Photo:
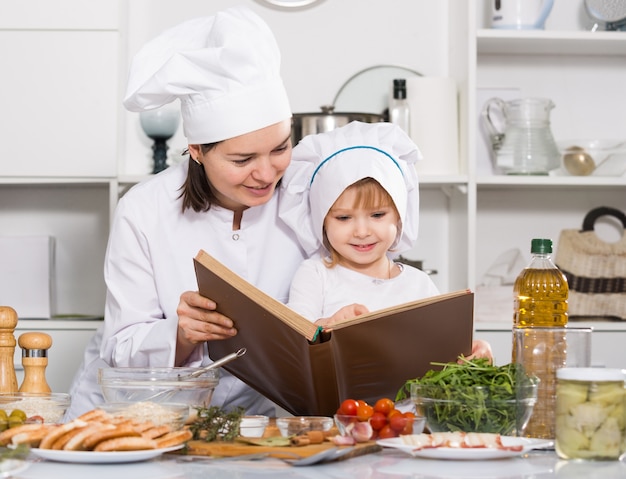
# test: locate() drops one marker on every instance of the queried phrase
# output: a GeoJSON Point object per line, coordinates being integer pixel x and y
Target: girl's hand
{"type": "Point", "coordinates": [199, 322]}
{"type": "Point", "coordinates": [347, 312]}
{"type": "Point", "coordinates": [481, 349]}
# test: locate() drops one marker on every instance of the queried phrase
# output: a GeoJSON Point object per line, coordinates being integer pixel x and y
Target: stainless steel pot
{"type": "Point", "coordinates": [304, 124]}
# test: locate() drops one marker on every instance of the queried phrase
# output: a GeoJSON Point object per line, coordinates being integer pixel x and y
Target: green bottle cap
{"type": "Point", "coordinates": [541, 246]}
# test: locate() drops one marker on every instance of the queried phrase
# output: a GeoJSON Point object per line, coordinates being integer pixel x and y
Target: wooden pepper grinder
{"type": "Point", "coordinates": [8, 322]}
{"type": "Point", "coordinates": [35, 360]}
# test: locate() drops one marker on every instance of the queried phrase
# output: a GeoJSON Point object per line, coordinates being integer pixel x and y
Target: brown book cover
{"type": "Point", "coordinates": [308, 371]}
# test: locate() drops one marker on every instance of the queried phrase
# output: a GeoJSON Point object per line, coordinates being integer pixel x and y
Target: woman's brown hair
{"type": "Point", "coordinates": [196, 192]}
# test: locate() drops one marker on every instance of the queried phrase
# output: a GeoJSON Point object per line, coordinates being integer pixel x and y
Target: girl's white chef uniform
{"type": "Point", "coordinates": [222, 68]}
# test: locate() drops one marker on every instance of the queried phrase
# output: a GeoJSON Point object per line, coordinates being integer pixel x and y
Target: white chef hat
{"type": "Point", "coordinates": [224, 69]}
{"type": "Point", "coordinates": [324, 165]}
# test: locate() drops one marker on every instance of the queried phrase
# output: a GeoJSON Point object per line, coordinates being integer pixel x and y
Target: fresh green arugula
{"type": "Point", "coordinates": [473, 395]}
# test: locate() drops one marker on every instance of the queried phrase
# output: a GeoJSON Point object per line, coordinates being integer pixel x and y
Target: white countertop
{"type": "Point", "coordinates": [387, 464]}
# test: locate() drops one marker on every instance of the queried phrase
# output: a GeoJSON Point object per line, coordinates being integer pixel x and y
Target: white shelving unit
{"type": "Point", "coordinates": [582, 72]}
{"type": "Point", "coordinates": [67, 181]}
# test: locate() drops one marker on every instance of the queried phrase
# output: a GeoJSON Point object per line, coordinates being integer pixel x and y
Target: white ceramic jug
{"type": "Point", "coordinates": [520, 14]}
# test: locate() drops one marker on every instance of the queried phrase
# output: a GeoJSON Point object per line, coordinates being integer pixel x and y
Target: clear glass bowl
{"type": "Point", "coordinates": [346, 426]}
{"type": "Point", "coordinates": [475, 408]}
{"type": "Point", "coordinates": [49, 407]}
{"type": "Point", "coordinates": [159, 385]}
{"type": "Point", "coordinates": [253, 426]}
{"type": "Point", "coordinates": [293, 426]}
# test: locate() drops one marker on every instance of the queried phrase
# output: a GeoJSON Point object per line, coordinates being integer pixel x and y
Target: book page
{"type": "Point", "coordinates": [381, 313]}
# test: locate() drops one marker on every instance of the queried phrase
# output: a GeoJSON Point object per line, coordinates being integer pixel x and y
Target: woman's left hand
{"type": "Point", "coordinates": [481, 349]}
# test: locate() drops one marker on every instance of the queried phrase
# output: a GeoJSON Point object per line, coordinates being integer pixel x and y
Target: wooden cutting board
{"type": "Point", "coordinates": [231, 449]}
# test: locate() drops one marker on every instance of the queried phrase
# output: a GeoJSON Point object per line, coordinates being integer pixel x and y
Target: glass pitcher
{"type": "Point", "coordinates": [523, 143]}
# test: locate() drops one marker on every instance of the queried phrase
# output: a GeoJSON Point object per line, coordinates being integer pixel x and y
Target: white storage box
{"type": "Point", "coordinates": [27, 275]}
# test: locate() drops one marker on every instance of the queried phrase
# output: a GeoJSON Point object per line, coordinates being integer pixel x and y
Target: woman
{"type": "Point", "coordinates": [236, 117]}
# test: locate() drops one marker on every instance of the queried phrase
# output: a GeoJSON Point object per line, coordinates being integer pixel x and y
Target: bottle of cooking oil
{"type": "Point", "coordinates": [539, 335]}
{"type": "Point", "coordinates": [540, 291]}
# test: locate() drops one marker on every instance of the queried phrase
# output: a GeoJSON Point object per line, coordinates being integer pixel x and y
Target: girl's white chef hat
{"type": "Point", "coordinates": [224, 69]}
{"type": "Point", "coordinates": [324, 165]}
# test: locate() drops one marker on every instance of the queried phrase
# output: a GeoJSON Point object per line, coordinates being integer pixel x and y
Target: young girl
{"type": "Point", "coordinates": [351, 196]}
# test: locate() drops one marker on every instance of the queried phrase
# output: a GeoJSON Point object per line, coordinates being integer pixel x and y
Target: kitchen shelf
{"type": "Point", "coordinates": [47, 180]}
{"type": "Point", "coordinates": [606, 342]}
{"type": "Point", "coordinates": [428, 181]}
{"type": "Point", "coordinates": [542, 42]}
{"type": "Point", "coordinates": [549, 181]}
{"type": "Point", "coordinates": [131, 179]}
{"type": "Point", "coordinates": [583, 73]}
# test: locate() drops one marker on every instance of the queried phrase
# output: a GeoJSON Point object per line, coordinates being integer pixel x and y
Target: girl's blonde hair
{"type": "Point", "coordinates": [369, 195]}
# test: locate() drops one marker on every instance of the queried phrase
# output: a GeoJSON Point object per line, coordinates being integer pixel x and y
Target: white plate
{"type": "Point", "coordinates": [460, 453]}
{"type": "Point", "coordinates": [93, 457]}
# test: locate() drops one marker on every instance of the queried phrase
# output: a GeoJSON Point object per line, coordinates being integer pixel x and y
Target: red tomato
{"type": "Point", "coordinates": [408, 428]}
{"type": "Point", "coordinates": [398, 422]}
{"type": "Point", "coordinates": [386, 432]}
{"type": "Point", "coordinates": [364, 411]}
{"type": "Point", "coordinates": [348, 407]}
{"type": "Point", "coordinates": [384, 405]}
{"type": "Point", "coordinates": [378, 420]}
{"type": "Point", "coordinates": [393, 412]}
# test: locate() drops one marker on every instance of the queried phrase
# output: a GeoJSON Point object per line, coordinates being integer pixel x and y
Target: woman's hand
{"type": "Point", "coordinates": [481, 349]}
{"type": "Point", "coordinates": [347, 312]}
{"type": "Point", "coordinates": [199, 322]}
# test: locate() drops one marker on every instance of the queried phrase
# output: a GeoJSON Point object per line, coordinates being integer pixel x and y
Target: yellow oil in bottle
{"type": "Point", "coordinates": [540, 305]}
{"type": "Point", "coordinates": [540, 297]}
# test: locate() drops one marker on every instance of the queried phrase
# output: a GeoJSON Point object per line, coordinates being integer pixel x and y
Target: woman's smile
{"type": "Point", "coordinates": [260, 191]}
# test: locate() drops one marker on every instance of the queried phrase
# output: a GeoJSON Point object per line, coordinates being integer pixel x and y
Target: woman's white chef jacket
{"type": "Point", "coordinates": [149, 263]}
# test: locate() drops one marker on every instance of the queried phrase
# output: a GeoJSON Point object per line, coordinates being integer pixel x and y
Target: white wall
{"type": "Point", "coordinates": [322, 47]}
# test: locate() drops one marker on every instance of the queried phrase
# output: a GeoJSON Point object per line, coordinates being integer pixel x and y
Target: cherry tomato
{"type": "Point", "coordinates": [378, 420]}
{"type": "Point", "coordinates": [398, 422]}
{"type": "Point", "coordinates": [408, 428]}
{"type": "Point", "coordinates": [364, 411]}
{"type": "Point", "coordinates": [348, 407]}
{"type": "Point", "coordinates": [384, 405]}
{"type": "Point", "coordinates": [394, 412]}
{"type": "Point", "coordinates": [386, 432]}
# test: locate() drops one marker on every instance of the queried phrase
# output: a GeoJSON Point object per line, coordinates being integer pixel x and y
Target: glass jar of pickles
{"type": "Point", "coordinates": [590, 413]}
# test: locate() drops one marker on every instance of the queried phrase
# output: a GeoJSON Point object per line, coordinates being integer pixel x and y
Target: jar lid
{"type": "Point", "coordinates": [591, 374]}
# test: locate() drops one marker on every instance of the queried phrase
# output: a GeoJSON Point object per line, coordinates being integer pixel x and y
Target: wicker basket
{"type": "Point", "coordinates": [595, 270]}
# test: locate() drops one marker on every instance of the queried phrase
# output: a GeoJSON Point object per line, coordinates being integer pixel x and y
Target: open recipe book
{"type": "Point", "coordinates": [309, 371]}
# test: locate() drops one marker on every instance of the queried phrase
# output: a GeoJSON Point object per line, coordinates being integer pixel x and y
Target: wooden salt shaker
{"type": "Point", "coordinates": [35, 360]}
{"type": "Point", "coordinates": [8, 322]}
